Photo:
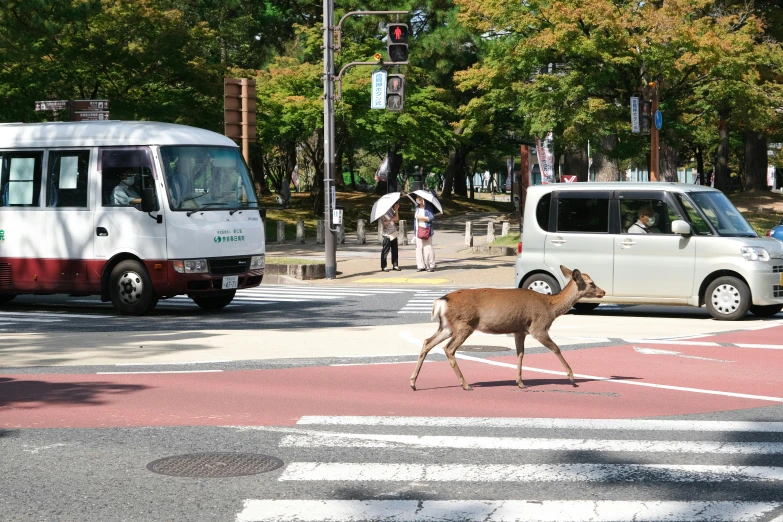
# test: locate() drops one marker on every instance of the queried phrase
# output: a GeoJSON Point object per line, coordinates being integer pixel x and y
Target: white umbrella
{"type": "Point", "coordinates": [427, 197]}
{"type": "Point", "coordinates": [383, 205]}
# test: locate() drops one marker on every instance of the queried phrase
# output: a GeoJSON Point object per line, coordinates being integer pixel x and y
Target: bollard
{"type": "Point", "coordinates": [468, 233]}
{"type": "Point", "coordinates": [360, 231]}
{"type": "Point", "coordinates": [506, 228]}
{"type": "Point", "coordinates": [380, 233]}
{"type": "Point", "coordinates": [319, 232]}
{"type": "Point", "coordinates": [341, 234]}
{"type": "Point", "coordinates": [300, 232]}
{"type": "Point", "coordinates": [280, 232]}
{"type": "Point", "coordinates": [490, 232]}
{"type": "Point", "coordinates": [403, 232]}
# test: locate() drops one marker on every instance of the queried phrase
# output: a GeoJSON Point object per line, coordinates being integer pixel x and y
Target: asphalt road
{"type": "Point", "coordinates": [675, 416]}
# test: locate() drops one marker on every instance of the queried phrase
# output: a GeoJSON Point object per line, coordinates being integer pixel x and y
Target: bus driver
{"type": "Point", "coordinates": [124, 194]}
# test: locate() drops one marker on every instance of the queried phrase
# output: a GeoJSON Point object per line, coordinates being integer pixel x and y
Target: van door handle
{"type": "Point", "coordinates": [558, 241]}
{"type": "Point", "coordinates": [101, 232]}
{"type": "Point", "coordinates": [628, 243]}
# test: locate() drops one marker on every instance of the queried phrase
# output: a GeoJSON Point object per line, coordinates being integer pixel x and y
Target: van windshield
{"type": "Point", "coordinates": [724, 216]}
{"type": "Point", "coordinates": [207, 178]}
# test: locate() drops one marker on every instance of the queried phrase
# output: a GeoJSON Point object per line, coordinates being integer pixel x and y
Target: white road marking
{"type": "Point", "coordinates": [761, 346]}
{"type": "Point", "coordinates": [377, 363]}
{"type": "Point", "coordinates": [173, 363]}
{"type": "Point", "coordinates": [56, 315]}
{"type": "Point", "coordinates": [549, 423]}
{"type": "Point", "coordinates": [167, 371]}
{"type": "Point", "coordinates": [501, 511]}
{"type": "Point", "coordinates": [679, 343]}
{"type": "Point", "coordinates": [651, 351]}
{"type": "Point", "coordinates": [376, 440]}
{"type": "Point", "coordinates": [410, 338]}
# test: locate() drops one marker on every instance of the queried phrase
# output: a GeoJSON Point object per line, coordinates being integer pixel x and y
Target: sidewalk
{"type": "Point", "coordinates": [455, 264]}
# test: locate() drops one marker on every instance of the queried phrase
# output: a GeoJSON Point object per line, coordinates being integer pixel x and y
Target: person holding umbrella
{"type": "Point", "coordinates": [425, 254]}
{"type": "Point", "coordinates": [389, 227]}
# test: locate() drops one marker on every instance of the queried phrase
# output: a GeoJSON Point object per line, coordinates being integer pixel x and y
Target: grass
{"type": "Point", "coordinates": [763, 210]}
{"type": "Point", "coordinates": [510, 240]}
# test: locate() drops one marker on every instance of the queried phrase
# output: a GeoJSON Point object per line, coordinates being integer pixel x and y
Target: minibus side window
{"type": "Point", "coordinates": [124, 173]}
{"type": "Point", "coordinates": [66, 179]}
{"type": "Point", "coordinates": [20, 182]}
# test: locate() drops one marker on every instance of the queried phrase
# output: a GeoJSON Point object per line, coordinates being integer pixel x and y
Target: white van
{"type": "Point", "coordinates": [131, 211]}
{"type": "Point", "coordinates": [698, 250]}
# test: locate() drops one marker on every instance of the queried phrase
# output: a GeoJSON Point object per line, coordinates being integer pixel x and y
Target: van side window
{"type": "Point", "coordinates": [542, 211]}
{"type": "Point", "coordinates": [20, 179]}
{"type": "Point", "coordinates": [659, 216]}
{"type": "Point", "coordinates": [583, 215]}
{"type": "Point", "coordinates": [124, 174]}
{"type": "Point", "coordinates": [66, 179]}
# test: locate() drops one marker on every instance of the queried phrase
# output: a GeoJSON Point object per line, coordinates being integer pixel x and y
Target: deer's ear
{"type": "Point", "coordinates": [566, 272]}
{"type": "Point", "coordinates": [576, 275]}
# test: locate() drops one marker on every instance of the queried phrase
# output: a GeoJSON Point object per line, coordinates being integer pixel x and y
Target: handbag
{"type": "Point", "coordinates": [423, 232]}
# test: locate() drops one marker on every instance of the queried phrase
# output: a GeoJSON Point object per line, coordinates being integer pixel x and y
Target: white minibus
{"type": "Point", "coordinates": [131, 211]}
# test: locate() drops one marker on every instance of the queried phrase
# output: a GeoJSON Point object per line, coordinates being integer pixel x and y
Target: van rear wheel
{"type": "Point", "coordinates": [130, 288]}
{"type": "Point", "coordinates": [585, 307]}
{"type": "Point", "coordinates": [542, 283]}
{"type": "Point", "coordinates": [727, 298]}
{"type": "Point", "coordinates": [4, 298]}
{"type": "Point", "coordinates": [766, 311]}
{"type": "Point", "coordinates": [213, 302]}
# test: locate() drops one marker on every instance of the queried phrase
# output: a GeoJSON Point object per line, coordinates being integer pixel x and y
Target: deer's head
{"type": "Point", "coordinates": [584, 283]}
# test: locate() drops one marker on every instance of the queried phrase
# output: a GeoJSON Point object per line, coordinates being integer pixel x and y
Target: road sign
{"type": "Point", "coordinates": [51, 105]}
{"type": "Point", "coordinates": [569, 178]}
{"type": "Point", "coordinates": [90, 105]}
{"type": "Point", "coordinates": [90, 115]}
{"type": "Point", "coordinates": [635, 114]}
{"type": "Point", "coordinates": [658, 120]}
{"type": "Point", "coordinates": [378, 90]}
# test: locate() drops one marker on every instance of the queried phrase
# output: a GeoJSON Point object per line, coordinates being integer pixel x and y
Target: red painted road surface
{"type": "Point", "coordinates": [281, 396]}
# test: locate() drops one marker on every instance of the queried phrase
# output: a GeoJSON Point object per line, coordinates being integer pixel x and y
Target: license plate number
{"type": "Point", "coordinates": [230, 282]}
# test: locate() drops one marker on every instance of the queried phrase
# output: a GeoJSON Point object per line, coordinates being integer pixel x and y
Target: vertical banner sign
{"type": "Point", "coordinates": [635, 127]}
{"type": "Point", "coordinates": [546, 158]}
{"type": "Point", "coordinates": [378, 90]}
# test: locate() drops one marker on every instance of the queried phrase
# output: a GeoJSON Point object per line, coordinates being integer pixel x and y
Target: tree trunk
{"type": "Point", "coordinates": [668, 162]}
{"type": "Point", "coordinates": [700, 166]}
{"type": "Point", "coordinates": [575, 163]}
{"type": "Point", "coordinates": [755, 161]}
{"type": "Point", "coordinates": [350, 169]}
{"type": "Point", "coordinates": [455, 170]}
{"type": "Point", "coordinates": [722, 163]}
{"type": "Point", "coordinates": [605, 166]}
{"type": "Point", "coordinates": [395, 165]}
{"type": "Point", "coordinates": [339, 181]}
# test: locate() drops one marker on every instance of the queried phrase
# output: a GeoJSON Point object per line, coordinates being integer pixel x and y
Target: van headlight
{"type": "Point", "coordinates": [755, 253]}
{"type": "Point", "coordinates": [190, 266]}
{"type": "Point", "coordinates": [257, 262]}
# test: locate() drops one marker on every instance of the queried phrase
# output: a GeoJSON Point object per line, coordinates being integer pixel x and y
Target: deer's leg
{"type": "Point", "coordinates": [441, 335]}
{"type": "Point", "coordinates": [547, 341]}
{"type": "Point", "coordinates": [451, 348]}
{"type": "Point", "coordinates": [519, 340]}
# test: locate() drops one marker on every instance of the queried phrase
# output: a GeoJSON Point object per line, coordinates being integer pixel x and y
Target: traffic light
{"type": "Point", "coordinates": [397, 42]}
{"type": "Point", "coordinates": [645, 119]}
{"type": "Point", "coordinates": [395, 92]}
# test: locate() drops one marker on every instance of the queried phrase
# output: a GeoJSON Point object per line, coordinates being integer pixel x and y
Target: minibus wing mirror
{"type": "Point", "coordinates": [147, 200]}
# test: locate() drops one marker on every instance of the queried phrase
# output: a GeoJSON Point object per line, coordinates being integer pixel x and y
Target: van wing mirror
{"type": "Point", "coordinates": [147, 200]}
{"type": "Point", "coordinates": [681, 227]}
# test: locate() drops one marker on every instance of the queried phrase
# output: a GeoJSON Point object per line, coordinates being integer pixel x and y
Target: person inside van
{"type": "Point", "coordinates": [124, 194]}
{"type": "Point", "coordinates": [646, 222]}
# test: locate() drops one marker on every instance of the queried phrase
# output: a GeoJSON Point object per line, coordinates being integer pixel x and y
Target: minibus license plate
{"type": "Point", "coordinates": [230, 282]}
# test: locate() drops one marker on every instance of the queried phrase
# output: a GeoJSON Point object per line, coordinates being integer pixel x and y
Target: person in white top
{"type": "Point", "coordinates": [124, 194]}
{"type": "Point", "coordinates": [646, 222]}
{"type": "Point", "coordinates": [425, 254]}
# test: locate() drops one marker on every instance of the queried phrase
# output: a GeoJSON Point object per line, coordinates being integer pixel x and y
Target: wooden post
{"type": "Point", "coordinates": [403, 232]}
{"type": "Point", "coordinates": [300, 234]}
{"type": "Point", "coordinates": [655, 145]}
{"type": "Point", "coordinates": [490, 232]}
{"type": "Point", "coordinates": [280, 232]}
{"type": "Point", "coordinates": [468, 233]}
{"type": "Point", "coordinates": [506, 228]}
{"type": "Point", "coordinates": [360, 232]}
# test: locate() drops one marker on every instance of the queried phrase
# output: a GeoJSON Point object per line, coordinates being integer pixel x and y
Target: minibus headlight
{"type": "Point", "coordinates": [196, 266]}
{"type": "Point", "coordinates": [755, 253]}
{"type": "Point", "coordinates": [179, 266]}
{"type": "Point", "coordinates": [257, 262]}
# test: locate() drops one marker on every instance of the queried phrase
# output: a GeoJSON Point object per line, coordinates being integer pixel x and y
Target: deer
{"type": "Point", "coordinates": [504, 311]}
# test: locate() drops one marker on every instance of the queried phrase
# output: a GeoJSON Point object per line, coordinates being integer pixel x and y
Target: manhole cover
{"type": "Point", "coordinates": [484, 348]}
{"type": "Point", "coordinates": [214, 465]}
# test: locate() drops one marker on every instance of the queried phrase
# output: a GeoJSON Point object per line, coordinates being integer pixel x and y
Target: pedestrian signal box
{"type": "Point", "coordinates": [395, 92]}
{"type": "Point", "coordinates": [397, 42]}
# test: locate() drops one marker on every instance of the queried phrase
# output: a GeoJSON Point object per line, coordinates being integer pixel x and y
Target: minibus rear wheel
{"type": "Point", "coordinates": [130, 288]}
{"type": "Point", "coordinates": [4, 298]}
{"type": "Point", "coordinates": [213, 302]}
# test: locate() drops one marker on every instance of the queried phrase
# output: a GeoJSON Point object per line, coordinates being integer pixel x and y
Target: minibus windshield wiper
{"type": "Point", "coordinates": [243, 207]}
{"type": "Point", "coordinates": [204, 206]}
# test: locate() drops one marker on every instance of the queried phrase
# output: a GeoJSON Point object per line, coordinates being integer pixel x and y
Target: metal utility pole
{"type": "Point", "coordinates": [330, 241]}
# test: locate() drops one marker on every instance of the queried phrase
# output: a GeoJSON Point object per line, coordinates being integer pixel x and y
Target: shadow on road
{"type": "Point", "coordinates": [30, 393]}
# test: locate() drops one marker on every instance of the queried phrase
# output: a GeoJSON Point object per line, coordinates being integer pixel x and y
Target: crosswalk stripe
{"type": "Point", "coordinates": [500, 511]}
{"type": "Point", "coordinates": [549, 423]}
{"type": "Point", "coordinates": [364, 440]}
{"type": "Point", "coordinates": [384, 472]}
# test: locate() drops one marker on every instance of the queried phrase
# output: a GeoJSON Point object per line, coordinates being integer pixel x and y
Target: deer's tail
{"type": "Point", "coordinates": [438, 308]}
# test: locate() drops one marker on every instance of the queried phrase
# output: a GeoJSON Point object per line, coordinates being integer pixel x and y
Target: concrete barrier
{"type": "Point", "coordinates": [300, 233]}
{"type": "Point", "coordinates": [360, 239]}
{"type": "Point", "coordinates": [468, 233]}
{"type": "Point", "coordinates": [319, 232]}
{"type": "Point", "coordinates": [403, 236]}
{"type": "Point", "coordinates": [280, 232]}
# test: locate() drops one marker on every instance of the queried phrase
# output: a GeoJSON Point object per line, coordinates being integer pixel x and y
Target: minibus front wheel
{"type": "Point", "coordinates": [213, 302]}
{"type": "Point", "coordinates": [4, 298]}
{"type": "Point", "coordinates": [130, 288]}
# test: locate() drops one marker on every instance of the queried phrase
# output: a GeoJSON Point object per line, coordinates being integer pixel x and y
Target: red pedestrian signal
{"type": "Point", "coordinates": [397, 42]}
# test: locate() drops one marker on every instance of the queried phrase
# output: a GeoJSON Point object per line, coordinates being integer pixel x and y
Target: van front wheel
{"type": "Point", "coordinates": [766, 311]}
{"type": "Point", "coordinates": [130, 288]}
{"type": "Point", "coordinates": [727, 298]}
{"type": "Point", "coordinates": [542, 283]}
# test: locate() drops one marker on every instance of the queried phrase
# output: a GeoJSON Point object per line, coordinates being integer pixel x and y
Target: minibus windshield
{"type": "Point", "coordinates": [207, 178]}
{"type": "Point", "coordinates": [724, 216]}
